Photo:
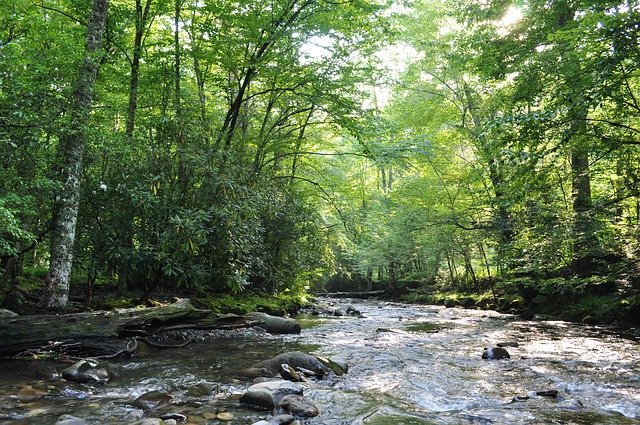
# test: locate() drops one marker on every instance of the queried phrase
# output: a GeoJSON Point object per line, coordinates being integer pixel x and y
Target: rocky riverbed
{"type": "Point", "coordinates": [406, 365]}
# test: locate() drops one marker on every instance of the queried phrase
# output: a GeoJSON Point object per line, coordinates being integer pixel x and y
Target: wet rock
{"type": "Point", "coordinates": [268, 394]}
{"type": "Point", "coordinates": [151, 400]}
{"type": "Point", "coordinates": [352, 311]}
{"type": "Point", "coordinates": [173, 416]}
{"type": "Point", "coordinates": [170, 422]}
{"type": "Point", "coordinates": [149, 421]}
{"type": "Point", "coordinates": [297, 406]}
{"type": "Point", "coordinates": [339, 367]}
{"type": "Point", "coordinates": [70, 420]}
{"type": "Point", "coordinates": [290, 374]}
{"type": "Point", "coordinates": [495, 353]}
{"type": "Point", "coordinates": [87, 371]}
{"type": "Point", "coordinates": [224, 416]}
{"type": "Point", "coordinates": [275, 324]}
{"type": "Point", "coordinates": [295, 359]}
{"type": "Point", "coordinates": [279, 420]}
{"type": "Point", "coordinates": [547, 393]}
{"type": "Point", "coordinates": [508, 344]}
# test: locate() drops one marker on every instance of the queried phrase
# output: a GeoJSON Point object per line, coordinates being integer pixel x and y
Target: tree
{"type": "Point", "coordinates": [72, 145]}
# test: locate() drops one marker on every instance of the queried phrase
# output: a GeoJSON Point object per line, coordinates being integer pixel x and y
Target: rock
{"type": "Point", "coordinates": [547, 393]}
{"type": "Point", "coordinates": [508, 344]}
{"type": "Point", "coordinates": [70, 420]}
{"type": "Point", "coordinates": [170, 422]}
{"type": "Point", "coordinates": [289, 373]}
{"type": "Point", "coordinates": [151, 400]}
{"type": "Point", "coordinates": [7, 314]}
{"type": "Point", "coordinates": [295, 359]}
{"type": "Point", "coordinates": [337, 367]}
{"type": "Point", "coordinates": [297, 406]}
{"type": "Point", "coordinates": [87, 371]}
{"type": "Point", "coordinates": [282, 420]}
{"type": "Point", "coordinates": [495, 353]}
{"type": "Point", "coordinates": [173, 417]}
{"type": "Point", "coordinates": [275, 324]}
{"type": "Point", "coordinates": [268, 394]}
{"type": "Point", "coordinates": [149, 421]}
{"type": "Point", "coordinates": [225, 416]}
{"type": "Point", "coordinates": [352, 311]}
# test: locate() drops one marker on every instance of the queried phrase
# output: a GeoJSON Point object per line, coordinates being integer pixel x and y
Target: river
{"type": "Point", "coordinates": [408, 364]}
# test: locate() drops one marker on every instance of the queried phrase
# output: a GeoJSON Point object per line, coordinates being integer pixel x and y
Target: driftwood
{"type": "Point", "coordinates": [84, 332]}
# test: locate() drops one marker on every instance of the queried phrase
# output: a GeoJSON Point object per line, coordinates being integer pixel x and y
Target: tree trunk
{"type": "Point", "coordinates": [31, 332]}
{"type": "Point", "coordinates": [141, 24]}
{"type": "Point", "coordinates": [73, 144]}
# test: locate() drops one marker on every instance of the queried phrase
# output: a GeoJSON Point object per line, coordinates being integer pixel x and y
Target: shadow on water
{"type": "Point", "coordinates": [407, 365]}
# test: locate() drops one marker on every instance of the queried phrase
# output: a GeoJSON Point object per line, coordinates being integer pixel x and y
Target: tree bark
{"type": "Point", "coordinates": [142, 15]}
{"type": "Point", "coordinates": [73, 145]}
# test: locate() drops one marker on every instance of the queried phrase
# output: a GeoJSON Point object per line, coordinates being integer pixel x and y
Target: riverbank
{"type": "Point", "coordinates": [582, 300]}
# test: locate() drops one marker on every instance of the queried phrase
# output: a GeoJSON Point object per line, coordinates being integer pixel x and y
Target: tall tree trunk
{"type": "Point", "coordinates": [142, 15]}
{"type": "Point", "coordinates": [72, 143]}
{"type": "Point", "coordinates": [177, 60]}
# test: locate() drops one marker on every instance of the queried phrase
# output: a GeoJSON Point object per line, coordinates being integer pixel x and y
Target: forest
{"type": "Point", "coordinates": [483, 153]}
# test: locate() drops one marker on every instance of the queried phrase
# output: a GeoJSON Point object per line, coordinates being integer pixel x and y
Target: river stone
{"type": "Point", "coordinates": [295, 359]}
{"type": "Point", "coordinates": [173, 417]}
{"type": "Point", "coordinates": [170, 422]}
{"type": "Point", "coordinates": [297, 406]}
{"type": "Point", "coordinates": [495, 353]}
{"type": "Point", "coordinates": [87, 371]}
{"type": "Point", "coordinates": [151, 400]}
{"type": "Point", "coordinates": [352, 311]}
{"type": "Point", "coordinates": [149, 421]}
{"type": "Point", "coordinates": [337, 366]}
{"type": "Point", "coordinates": [290, 374]}
{"type": "Point", "coordinates": [275, 324]}
{"type": "Point", "coordinates": [508, 344]}
{"type": "Point", "coordinates": [268, 394]}
{"type": "Point", "coordinates": [70, 420]}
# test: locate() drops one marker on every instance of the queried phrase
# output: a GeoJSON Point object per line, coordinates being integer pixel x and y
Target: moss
{"type": "Point", "coordinates": [277, 305]}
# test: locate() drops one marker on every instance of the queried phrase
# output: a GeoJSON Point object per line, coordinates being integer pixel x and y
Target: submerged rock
{"type": "Point", "coordinates": [495, 353]}
{"type": "Point", "coordinates": [297, 406]}
{"type": "Point", "coordinates": [151, 400]}
{"type": "Point", "coordinates": [87, 371]}
{"type": "Point", "coordinates": [70, 420]}
{"type": "Point", "coordinates": [268, 394]}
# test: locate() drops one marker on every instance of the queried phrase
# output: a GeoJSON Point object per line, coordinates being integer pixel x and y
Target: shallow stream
{"type": "Point", "coordinates": [407, 365]}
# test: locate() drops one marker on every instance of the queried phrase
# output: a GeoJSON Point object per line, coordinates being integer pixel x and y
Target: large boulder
{"type": "Point", "coordinates": [268, 394]}
{"type": "Point", "coordinates": [294, 359]}
{"type": "Point", "coordinates": [275, 324]}
{"type": "Point", "coordinates": [87, 371]}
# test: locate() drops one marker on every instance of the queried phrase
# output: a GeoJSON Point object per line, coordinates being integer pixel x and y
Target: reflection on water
{"type": "Point", "coordinates": [408, 365]}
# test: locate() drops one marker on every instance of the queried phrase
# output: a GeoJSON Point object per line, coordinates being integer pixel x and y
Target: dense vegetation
{"type": "Point", "coordinates": [222, 147]}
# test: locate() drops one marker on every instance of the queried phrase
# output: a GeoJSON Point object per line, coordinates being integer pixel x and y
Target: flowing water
{"type": "Point", "coordinates": [407, 365]}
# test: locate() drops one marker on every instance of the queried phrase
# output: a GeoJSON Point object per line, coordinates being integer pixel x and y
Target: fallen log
{"type": "Point", "coordinates": [367, 294]}
{"type": "Point", "coordinates": [24, 333]}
